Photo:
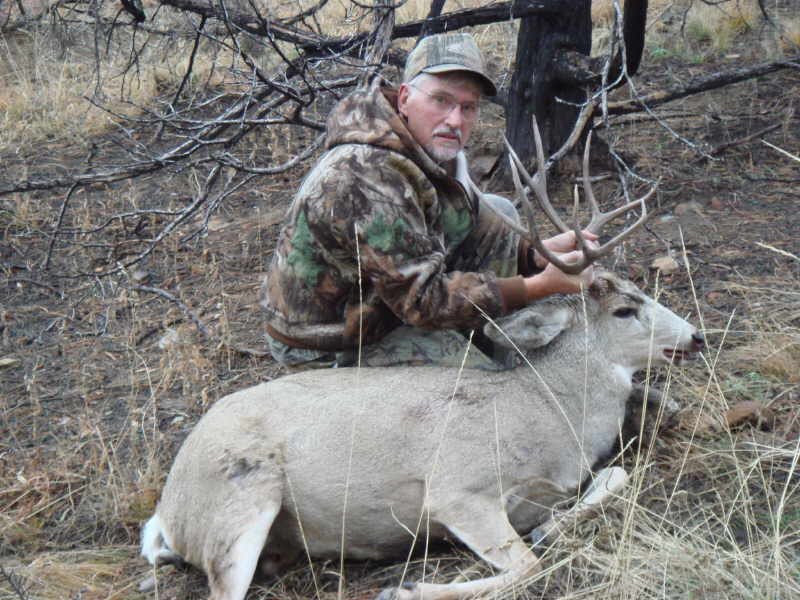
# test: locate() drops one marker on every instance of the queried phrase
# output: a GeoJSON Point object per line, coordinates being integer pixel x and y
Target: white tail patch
{"type": "Point", "coordinates": [154, 544]}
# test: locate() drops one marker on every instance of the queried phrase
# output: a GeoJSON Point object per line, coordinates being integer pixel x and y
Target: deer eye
{"type": "Point", "coordinates": [625, 313]}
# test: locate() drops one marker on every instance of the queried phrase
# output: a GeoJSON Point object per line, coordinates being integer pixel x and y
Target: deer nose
{"type": "Point", "coordinates": [698, 341]}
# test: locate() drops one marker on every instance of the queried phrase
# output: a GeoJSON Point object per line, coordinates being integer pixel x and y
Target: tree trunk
{"type": "Point", "coordinates": [534, 88]}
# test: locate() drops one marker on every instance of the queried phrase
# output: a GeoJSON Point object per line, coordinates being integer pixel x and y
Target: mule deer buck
{"type": "Point", "coordinates": [363, 462]}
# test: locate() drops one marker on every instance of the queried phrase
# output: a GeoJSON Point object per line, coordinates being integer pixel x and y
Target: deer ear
{"type": "Point", "coordinates": [534, 326]}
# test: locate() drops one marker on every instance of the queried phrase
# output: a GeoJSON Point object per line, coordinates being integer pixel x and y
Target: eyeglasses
{"type": "Point", "coordinates": [445, 104]}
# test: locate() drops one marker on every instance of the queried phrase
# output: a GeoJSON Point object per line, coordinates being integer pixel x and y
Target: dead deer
{"type": "Point", "coordinates": [365, 463]}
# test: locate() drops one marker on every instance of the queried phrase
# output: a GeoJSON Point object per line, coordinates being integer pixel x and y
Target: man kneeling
{"type": "Point", "coordinates": [389, 254]}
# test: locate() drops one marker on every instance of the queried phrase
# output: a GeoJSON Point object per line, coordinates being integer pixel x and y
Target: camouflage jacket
{"type": "Point", "coordinates": [370, 239]}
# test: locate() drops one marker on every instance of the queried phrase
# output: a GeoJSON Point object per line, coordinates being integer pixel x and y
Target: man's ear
{"type": "Point", "coordinates": [402, 98]}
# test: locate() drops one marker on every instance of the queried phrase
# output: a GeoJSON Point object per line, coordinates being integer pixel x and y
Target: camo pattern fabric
{"type": "Point", "coordinates": [379, 235]}
{"type": "Point", "coordinates": [404, 346]}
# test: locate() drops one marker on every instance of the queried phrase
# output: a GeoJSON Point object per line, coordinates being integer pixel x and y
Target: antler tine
{"type": "Point", "coordinates": [524, 202]}
{"type": "Point", "coordinates": [532, 234]}
{"type": "Point", "coordinates": [600, 219]}
{"type": "Point", "coordinates": [538, 183]}
{"type": "Point", "coordinates": [596, 221]}
{"type": "Point", "coordinates": [617, 239]}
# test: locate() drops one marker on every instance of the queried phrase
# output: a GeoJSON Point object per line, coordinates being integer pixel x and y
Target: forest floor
{"type": "Point", "coordinates": [101, 379]}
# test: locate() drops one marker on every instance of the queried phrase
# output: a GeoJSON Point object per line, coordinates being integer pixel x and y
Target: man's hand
{"type": "Point", "coordinates": [563, 243]}
{"type": "Point", "coordinates": [554, 281]}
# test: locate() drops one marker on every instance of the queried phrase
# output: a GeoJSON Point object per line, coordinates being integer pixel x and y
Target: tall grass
{"type": "Point", "coordinates": [91, 419]}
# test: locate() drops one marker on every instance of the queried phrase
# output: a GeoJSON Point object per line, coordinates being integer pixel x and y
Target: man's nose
{"type": "Point", "coordinates": [455, 118]}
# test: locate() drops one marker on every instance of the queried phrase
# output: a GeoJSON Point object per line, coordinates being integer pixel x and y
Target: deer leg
{"type": "Point", "coordinates": [606, 484]}
{"type": "Point", "coordinates": [485, 529]}
{"type": "Point", "coordinates": [655, 398]}
{"type": "Point", "coordinates": [231, 572]}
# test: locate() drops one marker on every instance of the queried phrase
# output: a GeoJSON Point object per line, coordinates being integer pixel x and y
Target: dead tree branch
{"type": "Point", "coordinates": [702, 84]}
{"type": "Point", "coordinates": [313, 44]}
{"type": "Point", "coordinates": [719, 149]}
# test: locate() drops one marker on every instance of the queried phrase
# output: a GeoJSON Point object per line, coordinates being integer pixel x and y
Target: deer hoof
{"type": "Point", "coordinates": [404, 592]}
{"type": "Point", "coordinates": [538, 537]}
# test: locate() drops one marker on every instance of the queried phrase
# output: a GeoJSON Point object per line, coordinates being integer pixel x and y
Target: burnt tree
{"type": "Point", "coordinates": [554, 69]}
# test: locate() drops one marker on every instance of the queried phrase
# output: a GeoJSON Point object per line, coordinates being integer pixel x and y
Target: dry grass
{"type": "Point", "coordinates": [47, 73]}
{"type": "Point", "coordinates": [41, 96]}
{"type": "Point", "coordinates": [46, 83]}
{"type": "Point", "coordinates": [93, 409]}
{"type": "Point", "coordinates": [710, 512]}
{"type": "Point", "coordinates": [707, 29]}
{"type": "Point", "coordinates": [718, 26]}
{"type": "Point", "coordinates": [790, 34]}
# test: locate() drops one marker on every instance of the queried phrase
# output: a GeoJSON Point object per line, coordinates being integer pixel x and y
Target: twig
{"type": "Point", "coordinates": [648, 108]}
{"type": "Point", "coordinates": [57, 227]}
{"type": "Point", "coordinates": [186, 310]}
{"type": "Point", "coordinates": [49, 288]}
{"type": "Point", "coordinates": [702, 84]}
{"type": "Point", "coordinates": [643, 119]}
{"type": "Point", "coordinates": [247, 351]}
{"type": "Point", "coordinates": [171, 226]}
{"type": "Point", "coordinates": [208, 133]}
{"type": "Point", "coordinates": [778, 251]}
{"type": "Point", "coordinates": [17, 583]}
{"type": "Point", "coordinates": [382, 38]}
{"type": "Point", "coordinates": [781, 150]}
{"type": "Point", "coordinates": [192, 57]}
{"type": "Point", "coordinates": [722, 147]}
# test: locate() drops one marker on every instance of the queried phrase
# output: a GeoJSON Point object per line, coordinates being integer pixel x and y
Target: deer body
{"type": "Point", "coordinates": [383, 453]}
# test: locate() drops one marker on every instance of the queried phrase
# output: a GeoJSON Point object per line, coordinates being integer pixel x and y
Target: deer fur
{"type": "Point", "coordinates": [390, 456]}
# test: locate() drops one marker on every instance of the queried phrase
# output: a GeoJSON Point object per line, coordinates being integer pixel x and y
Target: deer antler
{"type": "Point", "coordinates": [538, 184]}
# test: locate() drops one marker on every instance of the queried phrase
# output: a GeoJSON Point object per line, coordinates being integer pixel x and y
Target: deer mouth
{"type": "Point", "coordinates": [678, 356]}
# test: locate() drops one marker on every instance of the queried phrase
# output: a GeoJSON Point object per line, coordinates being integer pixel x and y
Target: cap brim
{"type": "Point", "coordinates": [489, 88]}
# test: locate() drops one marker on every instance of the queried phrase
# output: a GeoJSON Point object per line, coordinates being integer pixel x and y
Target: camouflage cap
{"type": "Point", "coordinates": [445, 52]}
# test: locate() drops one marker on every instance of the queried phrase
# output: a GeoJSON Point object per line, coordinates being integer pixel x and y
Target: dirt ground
{"type": "Point", "coordinates": [101, 379]}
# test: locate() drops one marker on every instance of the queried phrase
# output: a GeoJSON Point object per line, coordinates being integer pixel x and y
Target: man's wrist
{"type": "Point", "coordinates": [537, 287]}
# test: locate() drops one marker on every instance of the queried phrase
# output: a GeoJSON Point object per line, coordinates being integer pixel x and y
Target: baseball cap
{"type": "Point", "coordinates": [445, 52]}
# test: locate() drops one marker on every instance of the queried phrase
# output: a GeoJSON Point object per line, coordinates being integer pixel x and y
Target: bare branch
{"type": "Point", "coordinates": [384, 25]}
{"type": "Point", "coordinates": [703, 84]}
{"type": "Point", "coordinates": [748, 138]}
{"type": "Point", "coordinates": [57, 228]}
{"type": "Point", "coordinates": [186, 310]}
{"type": "Point", "coordinates": [316, 45]}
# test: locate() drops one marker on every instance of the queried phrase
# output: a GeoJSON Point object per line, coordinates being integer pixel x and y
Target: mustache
{"type": "Point", "coordinates": [444, 129]}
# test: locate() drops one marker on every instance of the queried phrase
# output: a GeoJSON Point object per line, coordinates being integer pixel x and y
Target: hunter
{"type": "Point", "coordinates": [389, 254]}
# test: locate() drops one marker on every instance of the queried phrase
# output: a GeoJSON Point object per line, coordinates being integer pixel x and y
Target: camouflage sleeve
{"type": "Point", "coordinates": [384, 212]}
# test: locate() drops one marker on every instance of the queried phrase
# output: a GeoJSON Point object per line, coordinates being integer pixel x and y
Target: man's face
{"type": "Point", "coordinates": [440, 111]}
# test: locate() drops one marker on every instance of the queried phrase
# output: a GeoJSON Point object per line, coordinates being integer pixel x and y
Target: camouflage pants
{"type": "Point", "coordinates": [406, 346]}
{"type": "Point", "coordinates": [489, 248]}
